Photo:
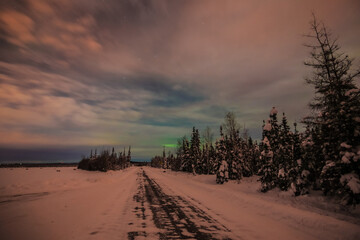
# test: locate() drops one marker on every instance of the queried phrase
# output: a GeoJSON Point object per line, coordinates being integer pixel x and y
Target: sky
{"type": "Point", "coordinates": [76, 75]}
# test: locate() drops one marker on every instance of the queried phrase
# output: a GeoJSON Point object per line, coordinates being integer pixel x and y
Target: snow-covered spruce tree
{"type": "Point", "coordinates": [179, 154]}
{"type": "Point", "coordinates": [255, 161]}
{"type": "Point", "coordinates": [337, 104]}
{"type": "Point", "coordinates": [350, 149]}
{"type": "Point", "coordinates": [231, 157]}
{"type": "Point", "coordinates": [274, 155]}
{"type": "Point", "coordinates": [262, 160]}
{"type": "Point", "coordinates": [246, 154]}
{"type": "Point", "coordinates": [222, 172]}
{"type": "Point", "coordinates": [312, 151]}
{"type": "Point", "coordinates": [303, 157]}
{"type": "Point", "coordinates": [236, 153]}
{"type": "Point", "coordinates": [274, 137]}
{"type": "Point", "coordinates": [195, 153]}
{"type": "Point", "coordinates": [287, 172]}
{"type": "Point", "coordinates": [186, 164]}
{"type": "Point", "coordinates": [269, 170]}
{"type": "Point", "coordinates": [231, 142]}
{"type": "Point", "coordinates": [311, 155]}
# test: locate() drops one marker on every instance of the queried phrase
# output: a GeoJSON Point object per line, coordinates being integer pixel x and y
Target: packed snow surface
{"type": "Point", "coordinates": [149, 203]}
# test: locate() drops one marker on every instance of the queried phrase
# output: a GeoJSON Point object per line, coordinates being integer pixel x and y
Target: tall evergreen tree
{"type": "Point", "coordinates": [270, 146]}
{"type": "Point", "coordinates": [208, 136]}
{"type": "Point", "coordinates": [303, 157]}
{"type": "Point", "coordinates": [164, 159]}
{"type": "Point", "coordinates": [267, 172]}
{"type": "Point", "coordinates": [195, 153]}
{"type": "Point", "coordinates": [336, 105]}
{"type": "Point", "coordinates": [186, 164]}
{"type": "Point", "coordinates": [287, 172]}
{"type": "Point", "coordinates": [128, 158]}
{"type": "Point", "coordinates": [222, 172]}
{"type": "Point", "coordinates": [212, 160]}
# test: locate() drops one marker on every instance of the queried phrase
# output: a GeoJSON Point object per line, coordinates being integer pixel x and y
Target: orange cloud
{"type": "Point", "coordinates": [18, 26]}
{"type": "Point", "coordinates": [42, 7]}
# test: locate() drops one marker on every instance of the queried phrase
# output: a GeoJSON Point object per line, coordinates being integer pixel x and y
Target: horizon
{"type": "Point", "coordinates": [81, 75]}
{"type": "Point", "coordinates": [53, 155]}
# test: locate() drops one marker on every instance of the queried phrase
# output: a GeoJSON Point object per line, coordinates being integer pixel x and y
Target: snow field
{"type": "Point", "coordinates": [75, 204]}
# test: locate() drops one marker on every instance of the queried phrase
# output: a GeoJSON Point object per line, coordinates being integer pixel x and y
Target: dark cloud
{"type": "Point", "coordinates": [59, 93]}
{"type": "Point", "coordinates": [166, 92]}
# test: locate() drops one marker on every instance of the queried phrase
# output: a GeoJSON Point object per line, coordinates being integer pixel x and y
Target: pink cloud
{"type": "Point", "coordinates": [18, 26]}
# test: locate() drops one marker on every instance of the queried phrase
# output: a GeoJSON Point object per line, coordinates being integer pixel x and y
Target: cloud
{"type": "Point", "coordinates": [37, 105]}
{"type": "Point", "coordinates": [18, 27]}
{"type": "Point", "coordinates": [144, 72]}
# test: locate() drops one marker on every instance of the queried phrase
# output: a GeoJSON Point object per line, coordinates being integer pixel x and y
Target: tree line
{"type": "Point", "coordinates": [105, 160]}
{"type": "Point", "coordinates": [325, 156]}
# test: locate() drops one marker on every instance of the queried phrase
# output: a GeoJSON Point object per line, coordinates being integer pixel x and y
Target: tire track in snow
{"type": "Point", "coordinates": [175, 217]}
{"type": "Point", "coordinates": [22, 197]}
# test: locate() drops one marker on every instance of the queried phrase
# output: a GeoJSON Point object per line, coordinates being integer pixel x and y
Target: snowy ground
{"type": "Point", "coordinates": [147, 203]}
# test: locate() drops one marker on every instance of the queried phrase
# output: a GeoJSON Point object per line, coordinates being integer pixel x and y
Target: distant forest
{"type": "Point", "coordinates": [323, 157]}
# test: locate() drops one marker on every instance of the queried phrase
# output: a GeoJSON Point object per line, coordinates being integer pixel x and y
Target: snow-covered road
{"type": "Point", "coordinates": [148, 203]}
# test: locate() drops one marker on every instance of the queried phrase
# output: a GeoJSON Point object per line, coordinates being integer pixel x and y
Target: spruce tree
{"type": "Point", "coordinates": [268, 172]}
{"type": "Point", "coordinates": [238, 158]}
{"type": "Point", "coordinates": [195, 151]}
{"type": "Point", "coordinates": [222, 173]}
{"type": "Point", "coordinates": [128, 158]}
{"type": "Point", "coordinates": [303, 157]}
{"type": "Point", "coordinates": [186, 164]}
{"type": "Point", "coordinates": [212, 160]}
{"type": "Point", "coordinates": [269, 169]}
{"type": "Point", "coordinates": [287, 172]}
{"type": "Point", "coordinates": [180, 153]}
{"type": "Point", "coordinates": [164, 159]}
{"type": "Point", "coordinates": [336, 105]}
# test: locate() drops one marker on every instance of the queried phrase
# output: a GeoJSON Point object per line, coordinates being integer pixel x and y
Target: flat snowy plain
{"type": "Point", "coordinates": [148, 203]}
